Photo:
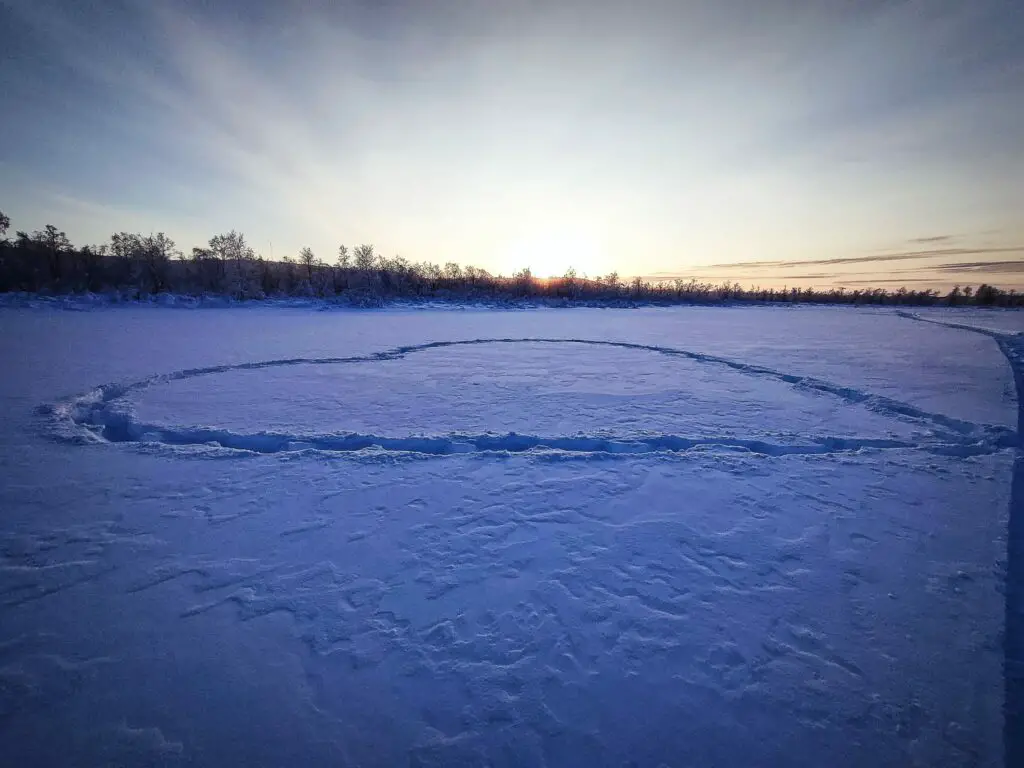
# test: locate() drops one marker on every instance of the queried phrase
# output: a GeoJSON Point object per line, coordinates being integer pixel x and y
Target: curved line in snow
{"type": "Point", "coordinates": [90, 417]}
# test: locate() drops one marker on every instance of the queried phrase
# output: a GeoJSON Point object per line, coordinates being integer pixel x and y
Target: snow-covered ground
{"type": "Point", "coordinates": [688, 536]}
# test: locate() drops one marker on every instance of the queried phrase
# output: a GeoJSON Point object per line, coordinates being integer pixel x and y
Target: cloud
{"type": "Point", "coordinates": [901, 256]}
{"type": "Point", "coordinates": [1016, 265]}
{"type": "Point", "coordinates": [939, 275]}
{"type": "Point", "coordinates": [895, 281]}
{"type": "Point", "coordinates": [932, 239]}
{"type": "Point", "coordinates": [666, 276]}
{"type": "Point", "coordinates": [450, 132]}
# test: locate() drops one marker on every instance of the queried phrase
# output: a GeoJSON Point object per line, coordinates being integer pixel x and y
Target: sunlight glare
{"type": "Point", "coordinates": [550, 253]}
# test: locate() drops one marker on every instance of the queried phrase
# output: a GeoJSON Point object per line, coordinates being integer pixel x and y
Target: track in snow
{"type": "Point", "coordinates": [1012, 347]}
{"type": "Point", "coordinates": [94, 417]}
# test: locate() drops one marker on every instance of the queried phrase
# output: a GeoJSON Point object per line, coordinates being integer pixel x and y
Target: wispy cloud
{"type": "Point", "coordinates": [883, 281]}
{"type": "Point", "coordinates": [932, 239]}
{"type": "Point", "coordinates": [931, 267]}
{"type": "Point", "coordinates": [741, 278]}
{"type": "Point", "coordinates": [885, 257]}
{"type": "Point", "coordinates": [1004, 267]}
{"type": "Point", "coordinates": [645, 138]}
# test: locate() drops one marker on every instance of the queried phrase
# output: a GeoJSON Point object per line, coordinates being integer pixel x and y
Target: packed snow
{"type": "Point", "coordinates": [686, 536]}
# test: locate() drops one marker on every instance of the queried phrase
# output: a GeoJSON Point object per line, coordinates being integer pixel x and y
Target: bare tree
{"type": "Point", "coordinates": [307, 259]}
{"type": "Point", "coordinates": [523, 280]}
{"type": "Point", "coordinates": [156, 253]}
{"type": "Point", "coordinates": [232, 247]}
{"type": "Point", "coordinates": [46, 260]}
{"type": "Point", "coordinates": [144, 260]}
{"type": "Point", "coordinates": [365, 258]}
{"type": "Point", "coordinates": [54, 245]}
{"type": "Point", "coordinates": [476, 274]}
{"type": "Point", "coordinates": [239, 272]}
{"type": "Point", "coordinates": [341, 273]}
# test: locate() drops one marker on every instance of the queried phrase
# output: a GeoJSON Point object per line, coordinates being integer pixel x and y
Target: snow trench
{"type": "Point", "coordinates": [1012, 347]}
{"type": "Point", "coordinates": [99, 416]}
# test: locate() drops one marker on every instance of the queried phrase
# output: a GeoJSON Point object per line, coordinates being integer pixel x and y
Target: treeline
{"type": "Point", "coordinates": [136, 266]}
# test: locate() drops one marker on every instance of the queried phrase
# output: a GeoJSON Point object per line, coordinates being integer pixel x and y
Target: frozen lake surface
{"type": "Point", "coordinates": [689, 536]}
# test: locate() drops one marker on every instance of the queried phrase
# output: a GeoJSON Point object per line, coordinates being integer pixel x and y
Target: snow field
{"type": "Point", "coordinates": [543, 538]}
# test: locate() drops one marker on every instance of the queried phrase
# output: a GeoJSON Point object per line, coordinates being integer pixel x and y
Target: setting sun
{"type": "Point", "coordinates": [551, 253]}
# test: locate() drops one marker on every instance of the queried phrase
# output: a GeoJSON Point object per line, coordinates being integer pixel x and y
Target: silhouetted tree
{"type": "Point", "coordinates": [239, 274]}
{"type": "Point", "coordinates": [231, 247]}
{"type": "Point", "coordinates": [156, 253]}
{"type": "Point", "coordinates": [523, 280]}
{"type": "Point", "coordinates": [290, 281]}
{"type": "Point", "coordinates": [208, 270]}
{"type": "Point", "coordinates": [365, 258]}
{"type": "Point", "coordinates": [307, 259]}
{"type": "Point", "coordinates": [55, 246]}
{"type": "Point", "coordinates": [986, 295]}
{"type": "Point", "coordinates": [147, 264]}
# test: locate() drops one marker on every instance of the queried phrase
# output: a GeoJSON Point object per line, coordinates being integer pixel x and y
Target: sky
{"type": "Point", "coordinates": [766, 142]}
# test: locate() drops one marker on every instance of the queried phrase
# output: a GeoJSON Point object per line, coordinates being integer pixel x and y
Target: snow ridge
{"type": "Point", "coordinates": [100, 416]}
